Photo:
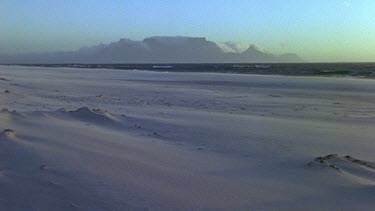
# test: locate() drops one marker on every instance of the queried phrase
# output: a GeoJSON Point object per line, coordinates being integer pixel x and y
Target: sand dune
{"type": "Point", "coordinates": [355, 169]}
{"type": "Point", "coordinates": [91, 139]}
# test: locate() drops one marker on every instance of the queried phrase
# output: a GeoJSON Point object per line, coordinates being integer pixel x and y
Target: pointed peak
{"type": "Point", "coordinates": [253, 47]}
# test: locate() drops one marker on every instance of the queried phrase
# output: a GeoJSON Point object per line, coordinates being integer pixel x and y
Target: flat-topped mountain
{"type": "Point", "coordinates": [154, 50]}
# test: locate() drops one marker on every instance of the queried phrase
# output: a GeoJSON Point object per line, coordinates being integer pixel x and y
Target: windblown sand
{"type": "Point", "coordinates": [95, 139]}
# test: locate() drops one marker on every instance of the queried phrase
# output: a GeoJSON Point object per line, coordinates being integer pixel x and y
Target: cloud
{"type": "Point", "coordinates": [232, 47]}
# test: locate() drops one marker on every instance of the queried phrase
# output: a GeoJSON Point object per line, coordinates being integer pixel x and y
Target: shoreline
{"type": "Point", "coordinates": [228, 69]}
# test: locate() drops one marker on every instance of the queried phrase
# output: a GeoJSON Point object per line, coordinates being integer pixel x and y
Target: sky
{"type": "Point", "coordinates": [317, 30]}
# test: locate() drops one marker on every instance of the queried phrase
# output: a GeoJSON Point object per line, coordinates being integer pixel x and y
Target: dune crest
{"type": "Point", "coordinates": [356, 169]}
{"type": "Point", "coordinates": [91, 115]}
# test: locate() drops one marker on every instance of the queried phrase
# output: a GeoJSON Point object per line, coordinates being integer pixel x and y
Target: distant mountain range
{"type": "Point", "coordinates": [154, 50]}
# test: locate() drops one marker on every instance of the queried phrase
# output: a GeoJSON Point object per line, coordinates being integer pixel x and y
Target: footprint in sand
{"type": "Point", "coordinates": [43, 167]}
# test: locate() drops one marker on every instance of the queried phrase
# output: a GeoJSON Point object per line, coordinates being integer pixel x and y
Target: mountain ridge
{"type": "Point", "coordinates": [155, 49]}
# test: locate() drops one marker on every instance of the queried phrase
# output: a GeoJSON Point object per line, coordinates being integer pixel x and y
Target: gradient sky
{"type": "Point", "coordinates": [317, 30]}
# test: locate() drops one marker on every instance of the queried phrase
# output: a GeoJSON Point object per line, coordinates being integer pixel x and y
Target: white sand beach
{"type": "Point", "coordinates": [100, 139]}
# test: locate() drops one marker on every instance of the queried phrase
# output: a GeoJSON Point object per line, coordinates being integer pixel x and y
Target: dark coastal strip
{"type": "Point", "coordinates": [360, 70]}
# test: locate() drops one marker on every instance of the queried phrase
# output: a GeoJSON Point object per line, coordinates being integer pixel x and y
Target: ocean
{"type": "Point", "coordinates": [360, 70]}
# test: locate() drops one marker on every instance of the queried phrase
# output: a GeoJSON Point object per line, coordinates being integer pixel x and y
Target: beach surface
{"type": "Point", "coordinates": [99, 139]}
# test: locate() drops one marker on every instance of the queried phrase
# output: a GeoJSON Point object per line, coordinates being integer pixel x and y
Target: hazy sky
{"type": "Point", "coordinates": [317, 30]}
